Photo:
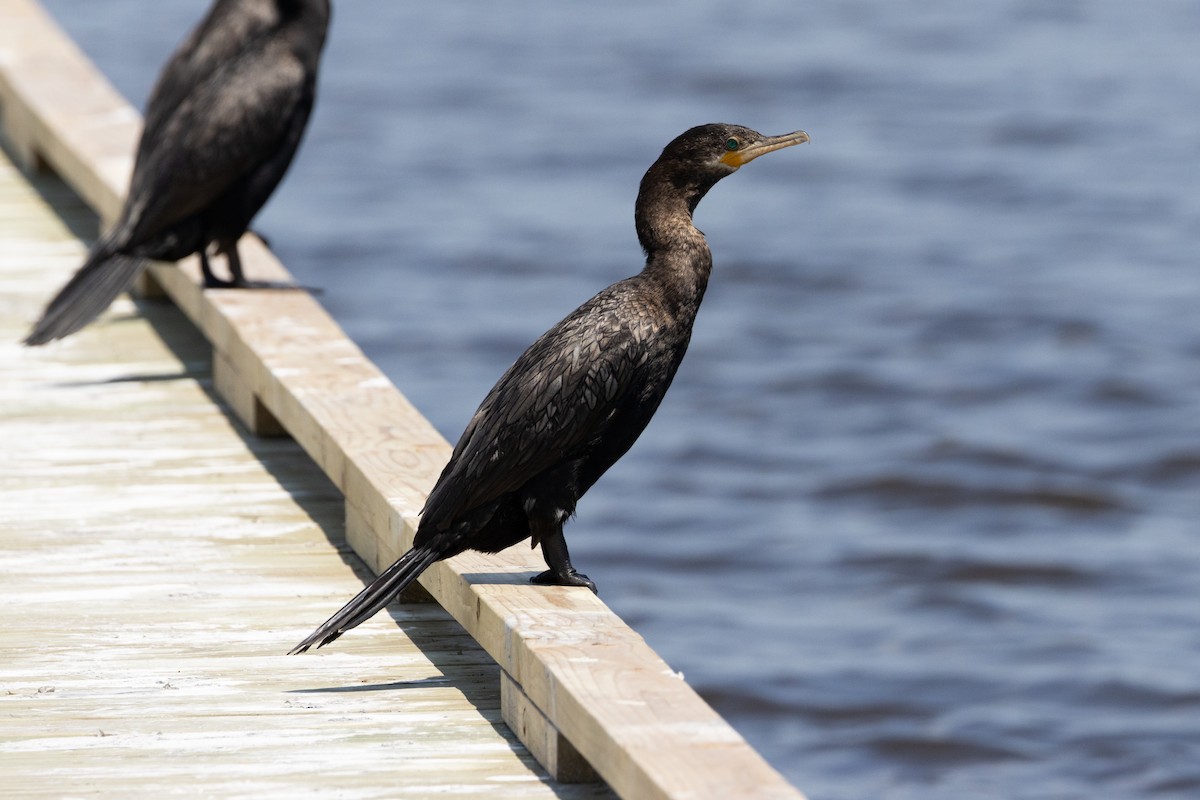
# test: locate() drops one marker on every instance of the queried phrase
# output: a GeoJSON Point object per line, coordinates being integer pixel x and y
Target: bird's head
{"type": "Point", "coordinates": [691, 165]}
{"type": "Point", "coordinates": [697, 158]}
{"type": "Point", "coordinates": [722, 148]}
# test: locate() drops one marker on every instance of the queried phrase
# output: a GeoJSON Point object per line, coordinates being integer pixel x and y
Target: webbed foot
{"type": "Point", "coordinates": [570, 578]}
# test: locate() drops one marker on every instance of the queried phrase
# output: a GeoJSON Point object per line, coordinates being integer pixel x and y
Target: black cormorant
{"type": "Point", "coordinates": [221, 127]}
{"type": "Point", "coordinates": [580, 396]}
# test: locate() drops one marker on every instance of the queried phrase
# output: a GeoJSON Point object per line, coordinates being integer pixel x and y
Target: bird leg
{"type": "Point", "coordinates": [554, 550]}
{"type": "Point", "coordinates": [211, 281]}
{"type": "Point", "coordinates": [235, 265]}
{"type": "Point", "coordinates": [238, 278]}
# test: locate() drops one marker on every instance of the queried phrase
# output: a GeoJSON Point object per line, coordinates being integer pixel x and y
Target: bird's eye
{"type": "Point", "coordinates": [732, 144]}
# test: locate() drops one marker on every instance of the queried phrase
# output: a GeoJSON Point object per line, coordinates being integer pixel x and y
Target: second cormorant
{"type": "Point", "coordinates": [579, 397]}
{"type": "Point", "coordinates": [221, 127]}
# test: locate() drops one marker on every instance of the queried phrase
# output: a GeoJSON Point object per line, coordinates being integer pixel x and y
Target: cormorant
{"type": "Point", "coordinates": [221, 127]}
{"type": "Point", "coordinates": [578, 398]}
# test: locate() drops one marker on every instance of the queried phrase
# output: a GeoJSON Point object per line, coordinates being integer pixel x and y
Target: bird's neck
{"type": "Point", "coordinates": [678, 259]}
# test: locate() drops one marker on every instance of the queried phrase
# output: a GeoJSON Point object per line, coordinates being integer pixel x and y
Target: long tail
{"type": "Point", "coordinates": [378, 594]}
{"type": "Point", "coordinates": [92, 289]}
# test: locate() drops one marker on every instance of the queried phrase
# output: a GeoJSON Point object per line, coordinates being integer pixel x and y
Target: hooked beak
{"type": "Point", "coordinates": [737, 158]}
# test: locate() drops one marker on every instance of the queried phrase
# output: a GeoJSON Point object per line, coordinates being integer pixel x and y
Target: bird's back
{"type": "Point", "coordinates": [231, 104]}
{"type": "Point", "coordinates": [572, 404]}
{"type": "Point", "coordinates": [219, 37]}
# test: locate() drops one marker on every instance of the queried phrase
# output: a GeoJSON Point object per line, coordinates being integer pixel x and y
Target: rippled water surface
{"type": "Point", "coordinates": [921, 514]}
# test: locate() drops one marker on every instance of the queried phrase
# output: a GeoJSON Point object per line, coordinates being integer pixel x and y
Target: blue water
{"type": "Point", "coordinates": [920, 514]}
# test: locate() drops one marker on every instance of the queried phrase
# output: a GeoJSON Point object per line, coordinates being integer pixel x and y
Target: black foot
{"type": "Point", "coordinates": [572, 578]}
{"type": "Point", "coordinates": [213, 282]}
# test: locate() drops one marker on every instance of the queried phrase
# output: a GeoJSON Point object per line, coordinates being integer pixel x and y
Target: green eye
{"type": "Point", "coordinates": [732, 144]}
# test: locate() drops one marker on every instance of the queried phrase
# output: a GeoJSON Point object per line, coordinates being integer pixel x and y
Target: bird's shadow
{"type": "Point", "coordinates": [417, 683]}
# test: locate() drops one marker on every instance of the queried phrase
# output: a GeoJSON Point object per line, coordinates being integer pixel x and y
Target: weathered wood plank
{"type": "Point", "coordinates": [242, 401]}
{"type": "Point", "coordinates": [546, 742]}
{"type": "Point", "coordinates": [84, 135]}
{"type": "Point", "coordinates": [591, 678]}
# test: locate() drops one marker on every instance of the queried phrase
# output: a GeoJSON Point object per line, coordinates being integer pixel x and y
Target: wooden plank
{"type": "Point", "coordinates": [157, 562]}
{"type": "Point", "coordinates": [590, 677]}
{"type": "Point", "coordinates": [57, 110]}
{"type": "Point", "coordinates": [242, 401]}
{"type": "Point", "coordinates": [546, 742]}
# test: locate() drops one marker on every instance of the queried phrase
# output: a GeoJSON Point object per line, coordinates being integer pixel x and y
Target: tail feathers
{"type": "Point", "coordinates": [378, 594]}
{"type": "Point", "coordinates": [92, 289]}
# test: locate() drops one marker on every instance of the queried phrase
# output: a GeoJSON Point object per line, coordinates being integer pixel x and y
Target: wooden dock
{"type": "Point", "coordinates": [158, 558]}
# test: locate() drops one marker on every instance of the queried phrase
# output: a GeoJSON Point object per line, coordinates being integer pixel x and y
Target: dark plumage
{"type": "Point", "coordinates": [579, 397]}
{"type": "Point", "coordinates": [221, 128]}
